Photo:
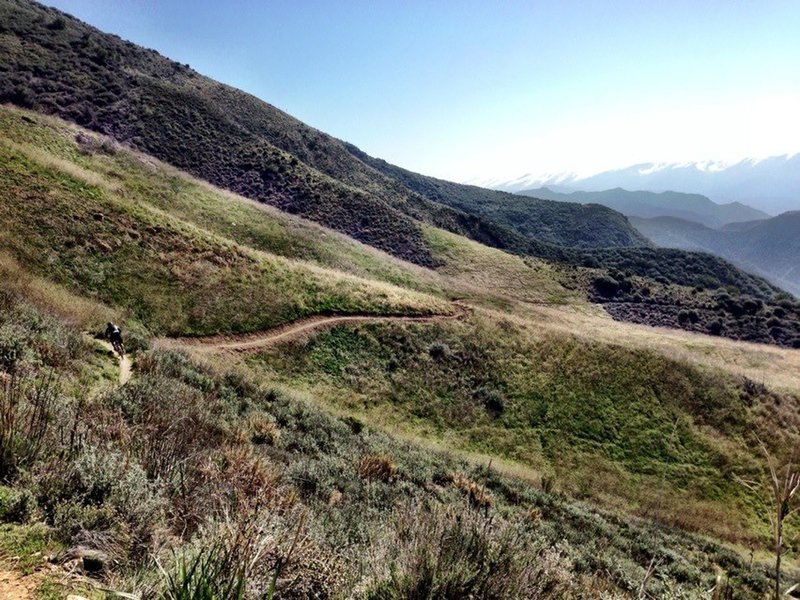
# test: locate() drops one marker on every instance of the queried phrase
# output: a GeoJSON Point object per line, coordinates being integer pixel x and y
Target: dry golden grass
{"type": "Point", "coordinates": [380, 467]}
{"type": "Point", "coordinates": [777, 368]}
{"type": "Point", "coordinates": [50, 297]}
{"type": "Point", "coordinates": [476, 494]}
{"type": "Point", "coordinates": [487, 274]}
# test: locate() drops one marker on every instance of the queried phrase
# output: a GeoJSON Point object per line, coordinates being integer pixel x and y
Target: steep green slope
{"type": "Point", "coordinates": [239, 142]}
{"type": "Point", "coordinates": [644, 435]}
{"type": "Point", "coordinates": [105, 222]}
{"type": "Point", "coordinates": [212, 131]}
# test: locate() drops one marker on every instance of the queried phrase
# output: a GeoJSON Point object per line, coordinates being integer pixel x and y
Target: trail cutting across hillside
{"type": "Point", "coordinates": [253, 342]}
{"type": "Point", "coordinates": [125, 365]}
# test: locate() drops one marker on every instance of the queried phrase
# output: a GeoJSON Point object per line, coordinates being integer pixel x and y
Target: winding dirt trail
{"type": "Point", "coordinates": [253, 342]}
{"type": "Point", "coordinates": [125, 364]}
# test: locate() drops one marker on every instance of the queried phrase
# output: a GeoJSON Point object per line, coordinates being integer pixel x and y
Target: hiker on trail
{"type": "Point", "coordinates": [114, 335]}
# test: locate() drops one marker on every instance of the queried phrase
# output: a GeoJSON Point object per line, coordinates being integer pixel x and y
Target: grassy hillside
{"type": "Point", "coordinates": [259, 484]}
{"type": "Point", "coordinates": [104, 222]}
{"type": "Point", "coordinates": [533, 447]}
{"type": "Point", "coordinates": [622, 426]}
{"type": "Point", "coordinates": [565, 419]}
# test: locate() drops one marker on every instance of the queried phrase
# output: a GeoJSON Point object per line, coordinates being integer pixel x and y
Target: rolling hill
{"type": "Point", "coordinates": [690, 207]}
{"type": "Point", "coordinates": [768, 247]}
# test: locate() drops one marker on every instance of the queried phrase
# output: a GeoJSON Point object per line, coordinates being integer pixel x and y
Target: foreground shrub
{"type": "Point", "coordinates": [208, 575]}
{"type": "Point", "coordinates": [448, 553]}
{"type": "Point", "coordinates": [101, 499]}
{"type": "Point", "coordinates": [27, 406]}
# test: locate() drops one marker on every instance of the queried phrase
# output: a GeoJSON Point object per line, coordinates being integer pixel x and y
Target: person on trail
{"type": "Point", "coordinates": [114, 335]}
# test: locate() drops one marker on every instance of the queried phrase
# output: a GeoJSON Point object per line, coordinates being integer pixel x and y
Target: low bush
{"type": "Point", "coordinates": [451, 555]}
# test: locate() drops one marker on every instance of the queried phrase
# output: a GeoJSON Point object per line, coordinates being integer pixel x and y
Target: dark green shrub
{"type": "Point", "coordinates": [57, 24]}
{"type": "Point", "coordinates": [491, 399]}
{"type": "Point", "coordinates": [16, 505]}
{"type": "Point", "coordinates": [439, 351]}
{"type": "Point", "coordinates": [606, 286]}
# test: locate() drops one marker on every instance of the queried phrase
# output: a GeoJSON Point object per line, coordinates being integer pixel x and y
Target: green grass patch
{"type": "Point", "coordinates": [557, 404]}
{"type": "Point", "coordinates": [170, 274]}
{"type": "Point", "coordinates": [29, 544]}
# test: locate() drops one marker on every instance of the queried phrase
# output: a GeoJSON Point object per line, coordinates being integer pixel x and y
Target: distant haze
{"type": "Point", "coordinates": [771, 185]}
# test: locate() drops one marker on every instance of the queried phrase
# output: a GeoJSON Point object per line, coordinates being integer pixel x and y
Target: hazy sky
{"type": "Point", "coordinates": [469, 90]}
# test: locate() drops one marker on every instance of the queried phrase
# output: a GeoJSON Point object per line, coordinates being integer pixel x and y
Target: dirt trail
{"type": "Point", "coordinates": [125, 365]}
{"type": "Point", "coordinates": [15, 586]}
{"type": "Point", "coordinates": [251, 342]}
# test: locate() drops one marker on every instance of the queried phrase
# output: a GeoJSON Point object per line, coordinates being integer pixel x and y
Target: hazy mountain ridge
{"type": "Point", "coordinates": [770, 184]}
{"type": "Point", "coordinates": [770, 247]}
{"type": "Point", "coordinates": [643, 204]}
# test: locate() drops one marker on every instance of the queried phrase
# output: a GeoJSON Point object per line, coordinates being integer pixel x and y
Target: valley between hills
{"type": "Point", "coordinates": [347, 380]}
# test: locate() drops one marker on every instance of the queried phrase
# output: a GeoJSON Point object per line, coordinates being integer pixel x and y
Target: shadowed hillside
{"type": "Point", "coordinates": [570, 225]}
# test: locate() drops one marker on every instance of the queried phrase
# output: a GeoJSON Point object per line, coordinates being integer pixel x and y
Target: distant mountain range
{"type": "Point", "coordinates": [692, 207]}
{"type": "Point", "coordinates": [771, 184]}
{"type": "Point", "coordinates": [770, 247]}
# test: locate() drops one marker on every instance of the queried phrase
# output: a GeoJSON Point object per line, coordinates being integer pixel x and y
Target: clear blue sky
{"type": "Point", "coordinates": [480, 90]}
